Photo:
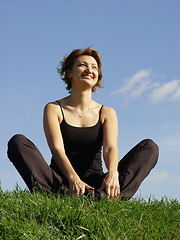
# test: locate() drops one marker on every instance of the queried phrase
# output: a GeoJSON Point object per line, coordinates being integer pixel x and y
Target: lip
{"type": "Point", "coordinates": [87, 76]}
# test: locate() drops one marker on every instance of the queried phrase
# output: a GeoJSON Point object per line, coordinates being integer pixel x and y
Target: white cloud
{"type": "Point", "coordinates": [140, 82]}
{"type": "Point", "coordinates": [159, 177]}
{"type": "Point", "coordinates": [144, 85]}
{"type": "Point", "coordinates": [164, 91]}
{"type": "Point", "coordinates": [176, 95]}
{"type": "Point", "coordinates": [140, 77]}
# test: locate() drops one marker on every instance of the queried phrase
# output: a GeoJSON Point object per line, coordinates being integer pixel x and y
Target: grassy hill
{"type": "Point", "coordinates": [40, 216]}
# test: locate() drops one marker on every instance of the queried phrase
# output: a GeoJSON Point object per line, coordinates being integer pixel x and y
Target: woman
{"type": "Point", "coordinates": [76, 128]}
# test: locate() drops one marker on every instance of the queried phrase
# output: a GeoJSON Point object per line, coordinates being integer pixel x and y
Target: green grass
{"type": "Point", "coordinates": [40, 216]}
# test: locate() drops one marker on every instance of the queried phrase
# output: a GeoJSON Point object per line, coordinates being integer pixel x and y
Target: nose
{"type": "Point", "coordinates": [89, 69]}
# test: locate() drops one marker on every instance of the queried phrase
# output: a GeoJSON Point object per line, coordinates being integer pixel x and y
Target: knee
{"type": "Point", "coordinates": [15, 141]}
{"type": "Point", "coordinates": [153, 147]}
{"type": "Point", "coordinates": [151, 144]}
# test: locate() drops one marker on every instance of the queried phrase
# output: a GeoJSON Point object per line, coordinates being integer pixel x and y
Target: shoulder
{"type": "Point", "coordinates": [108, 110]}
{"type": "Point", "coordinates": [55, 105]}
{"type": "Point", "coordinates": [108, 114]}
{"type": "Point", "coordinates": [51, 106]}
{"type": "Point", "coordinates": [56, 102]}
{"type": "Point", "coordinates": [52, 109]}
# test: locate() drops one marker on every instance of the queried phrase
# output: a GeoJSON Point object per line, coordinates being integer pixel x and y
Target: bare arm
{"type": "Point", "coordinates": [51, 120]}
{"type": "Point", "coordinates": [110, 152]}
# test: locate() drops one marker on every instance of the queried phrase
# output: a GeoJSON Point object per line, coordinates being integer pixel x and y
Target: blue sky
{"type": "Point", "coordinates": [139, 45]}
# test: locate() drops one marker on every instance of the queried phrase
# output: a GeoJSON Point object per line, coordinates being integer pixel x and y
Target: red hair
{"type": "Point", "coordinates": [68, 61]}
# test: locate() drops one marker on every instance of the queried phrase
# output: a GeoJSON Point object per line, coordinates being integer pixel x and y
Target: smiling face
{"type": "Point", "coordinates": [84, 71]}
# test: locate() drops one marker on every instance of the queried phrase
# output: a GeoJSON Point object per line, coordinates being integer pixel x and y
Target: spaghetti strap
{"type": "Point", "coordinates": [100, 112]}
{"type": "Point", "coordinates": [60, 108]}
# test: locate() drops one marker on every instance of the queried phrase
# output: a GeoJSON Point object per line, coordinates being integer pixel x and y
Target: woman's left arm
{"type": "Point", "coordinates": [110, 152]}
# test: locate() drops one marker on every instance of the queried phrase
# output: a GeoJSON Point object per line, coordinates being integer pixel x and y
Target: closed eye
{"type": "Point", "coordinates": [93, 66]}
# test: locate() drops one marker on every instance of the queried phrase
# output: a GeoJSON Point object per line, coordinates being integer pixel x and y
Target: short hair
{"type": "Point", "coordinates": [67, 63]}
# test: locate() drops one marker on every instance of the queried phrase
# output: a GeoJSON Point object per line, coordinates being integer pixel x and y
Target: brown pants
{"type": "Point", "coordinates": [133, 168]}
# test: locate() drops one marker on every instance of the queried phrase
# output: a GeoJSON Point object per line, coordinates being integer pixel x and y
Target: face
{"type": "Point", "coordinates": [84, 71]}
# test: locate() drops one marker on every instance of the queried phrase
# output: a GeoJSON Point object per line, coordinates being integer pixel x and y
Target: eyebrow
{"type": "Point", "coordinates": [95, 64]}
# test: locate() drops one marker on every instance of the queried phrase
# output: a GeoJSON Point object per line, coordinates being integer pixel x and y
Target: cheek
{"type": "Point", "coordinates": [74, 73]}
{"type": "Point", "coordinates": [97, 75]}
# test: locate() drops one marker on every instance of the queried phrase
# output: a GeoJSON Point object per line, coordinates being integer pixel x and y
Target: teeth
{"type": "Point", "coordinates": [88, 77]}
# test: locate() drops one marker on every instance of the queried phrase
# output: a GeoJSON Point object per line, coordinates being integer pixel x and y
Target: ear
{"type": "Point", "coordinates": [69, 75]}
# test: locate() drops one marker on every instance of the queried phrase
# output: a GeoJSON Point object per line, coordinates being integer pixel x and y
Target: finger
{"type": "Point", "coordinates": [112, 192]}
{"type": "Point", "coordinates": [76, 189]}
{"type": "Point", "coordinates": [82, 190]}
{"type": "Point", "coordinates": [71, 189]}
{"type": "Point", "coordinates": [102, 188]}
{"type": "Point", "coordinates": [108, 191]}
{"type": "Point", "coordinates": [116, 192]}
{"type": "Point", "coordinates": [88, 187]}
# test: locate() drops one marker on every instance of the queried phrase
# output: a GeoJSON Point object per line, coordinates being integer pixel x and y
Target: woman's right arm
{"type": "Point", "coordinates": [51, 120]}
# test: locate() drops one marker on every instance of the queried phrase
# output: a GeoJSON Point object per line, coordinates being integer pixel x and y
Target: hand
{"type": "Point", "coordinates": [76, 186]}
{"type": "Point", "coordinates": [111, 184]}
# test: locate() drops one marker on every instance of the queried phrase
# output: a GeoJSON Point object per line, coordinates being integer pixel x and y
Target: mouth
{"type": "Point", "coordinates": [87, 77]}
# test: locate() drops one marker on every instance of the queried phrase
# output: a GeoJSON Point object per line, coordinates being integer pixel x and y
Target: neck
{"type": "Point", "coordinates": [81, 99]}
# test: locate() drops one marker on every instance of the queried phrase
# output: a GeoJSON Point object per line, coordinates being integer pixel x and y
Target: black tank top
{"type": "Point", "coordinates": [83, 147]}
